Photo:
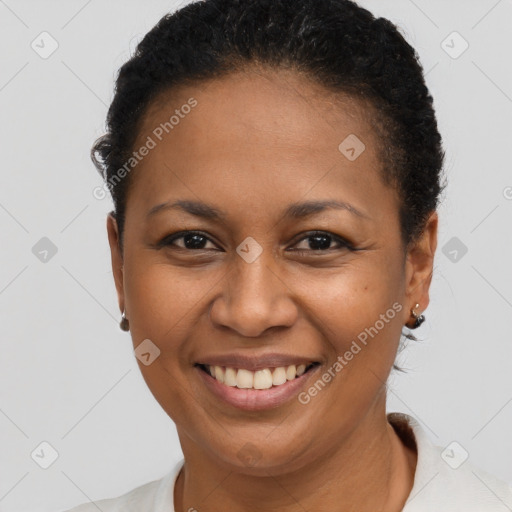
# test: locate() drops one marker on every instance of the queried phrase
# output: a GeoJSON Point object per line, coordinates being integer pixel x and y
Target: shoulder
{"type": "Point", "coordinates": [139, 497]}
{"type": "Point", "coordinates": [154, 496]}
{"type": "Point", "coordinates": [445, 480]}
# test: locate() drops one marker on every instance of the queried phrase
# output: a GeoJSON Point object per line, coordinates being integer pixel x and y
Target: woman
{"type": "Point", "coordinates": [275, 169]}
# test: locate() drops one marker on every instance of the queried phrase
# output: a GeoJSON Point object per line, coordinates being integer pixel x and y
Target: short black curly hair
{"type": "Point", "coordinates": [336, 43]}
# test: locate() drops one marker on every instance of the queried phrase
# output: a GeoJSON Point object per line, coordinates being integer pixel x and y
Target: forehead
{"type": "Point", "coordinates": [278, 103]}
{"type": "Point", "coordinates": [262, 134]}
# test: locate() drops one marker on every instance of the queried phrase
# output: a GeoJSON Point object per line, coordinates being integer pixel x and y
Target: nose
{"type": "Point", "coordinates": [253, 299]}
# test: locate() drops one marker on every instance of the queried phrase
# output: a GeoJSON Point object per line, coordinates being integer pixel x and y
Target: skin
{"type": "Point", "coordinates": [257, 141]}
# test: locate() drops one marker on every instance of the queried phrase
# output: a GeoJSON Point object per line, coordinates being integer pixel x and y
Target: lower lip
{"type": "Point", "coordinates": [256, 399]}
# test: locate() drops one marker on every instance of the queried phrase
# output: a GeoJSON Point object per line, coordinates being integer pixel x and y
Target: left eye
{"type": "Point", "coordinates": [321, 241]}
{"type": "Point", "coordinates": [194, 240]}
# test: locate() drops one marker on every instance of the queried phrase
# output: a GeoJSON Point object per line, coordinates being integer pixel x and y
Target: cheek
{"type": "Point", "coordinates": [162, 300]}
{"type": "Point", "coordinates": [162, 304]}
{"type": "Point", "coordinates": [360, 314]}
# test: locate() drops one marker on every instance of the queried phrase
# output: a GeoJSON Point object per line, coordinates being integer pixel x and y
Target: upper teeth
{"type": "Point", "coordinates": [260, 379]}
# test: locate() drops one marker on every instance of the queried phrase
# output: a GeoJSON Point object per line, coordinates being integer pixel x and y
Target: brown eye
{"type": "Point", "coordinates": [317, 241]}
{"type": "Point", "coordinates": [192, 240]}
{"type": "Point", "coordinates": [320, 241]}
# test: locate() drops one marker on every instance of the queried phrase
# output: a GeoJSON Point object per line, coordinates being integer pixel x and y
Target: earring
{"type": "Point", "coordinates": [124, 324]}
{"type": "Point", "coordinates": [418, 319]}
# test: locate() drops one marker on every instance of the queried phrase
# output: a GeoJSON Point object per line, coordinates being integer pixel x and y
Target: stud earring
{"type": "Point", "coordinates": [418, 319]}
{"type": "Point", "coordinates": [124, 324]}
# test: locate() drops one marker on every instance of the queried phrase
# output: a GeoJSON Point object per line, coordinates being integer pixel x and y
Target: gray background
{"type": "Point", "coordinates": [68, 375]}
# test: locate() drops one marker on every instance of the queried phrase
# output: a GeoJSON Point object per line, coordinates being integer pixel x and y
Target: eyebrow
{"type": "Point", "coordinates": [293, 211]}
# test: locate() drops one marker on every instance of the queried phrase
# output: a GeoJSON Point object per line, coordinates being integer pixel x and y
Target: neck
{"type": "Point", "coordinates": [370, 470]}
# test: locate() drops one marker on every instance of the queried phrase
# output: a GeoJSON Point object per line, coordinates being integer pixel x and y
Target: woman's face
{"type": "Point", "coordinates": [268, 279]}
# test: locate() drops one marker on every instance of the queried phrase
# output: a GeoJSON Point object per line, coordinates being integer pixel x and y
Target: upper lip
{"type": "Point", "coordinates": [253, 363]}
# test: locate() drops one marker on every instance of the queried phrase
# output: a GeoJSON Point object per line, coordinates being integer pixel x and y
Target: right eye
{"type": "Point", "coordinates": [192, 240]}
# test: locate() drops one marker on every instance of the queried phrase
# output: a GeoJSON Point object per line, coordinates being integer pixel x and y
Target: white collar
{"type": "Point", "coordinates": [445, 480]}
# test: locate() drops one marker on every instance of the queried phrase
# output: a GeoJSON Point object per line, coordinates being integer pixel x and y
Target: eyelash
{"type": "Point", "coordinates": [343, 244]}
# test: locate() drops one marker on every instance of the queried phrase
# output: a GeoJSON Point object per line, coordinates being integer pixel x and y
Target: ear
{"type": "Point", "coordinates": [420, 266]}
{"type": "Point", "coordinates": [116, 257]}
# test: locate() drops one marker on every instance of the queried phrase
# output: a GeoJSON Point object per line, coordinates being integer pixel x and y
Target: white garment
{"type": "Point", "coordinates": [437, 486]}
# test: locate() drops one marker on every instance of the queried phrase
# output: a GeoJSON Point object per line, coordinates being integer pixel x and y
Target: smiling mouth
{"type": "Point", "coordinates": [264, 378]}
